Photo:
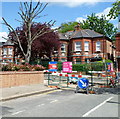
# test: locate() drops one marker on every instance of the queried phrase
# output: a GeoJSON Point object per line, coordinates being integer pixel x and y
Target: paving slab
{"type": "Point", "coordinates": [23, 91]}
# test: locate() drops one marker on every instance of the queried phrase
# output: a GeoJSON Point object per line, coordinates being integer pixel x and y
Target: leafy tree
{"type": "Point", "coordinates": [115, 10]}
{"type": "Point", "coordinates": [93, 22]}
{"type": "Point", "coordinates": [100, 25]}
{"type": "Point", "coordinates": [67, 27]}
{"type": "Point", "coordinates": [43, 46]}
{"type": "Point", "coordinates": [28, 13]}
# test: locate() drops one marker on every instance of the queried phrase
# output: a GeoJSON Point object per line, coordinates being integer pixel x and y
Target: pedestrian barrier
{"type": "Point", "coordinates": [59, 79]}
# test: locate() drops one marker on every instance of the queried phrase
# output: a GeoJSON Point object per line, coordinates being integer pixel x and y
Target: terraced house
{"type": "Point", "coordinates": [84, 45]}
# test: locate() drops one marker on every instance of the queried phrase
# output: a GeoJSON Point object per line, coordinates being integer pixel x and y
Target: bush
{"type": "Point", "coordinates": [26, 67]}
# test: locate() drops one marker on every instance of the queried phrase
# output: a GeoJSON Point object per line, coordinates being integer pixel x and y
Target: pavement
{"type": "Point", "coordinates": [23, 91]}
{"type": "Point", "coordinates": [28, 90]}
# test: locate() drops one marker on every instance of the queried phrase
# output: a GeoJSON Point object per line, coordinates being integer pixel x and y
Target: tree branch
{"type": "Point", "coordinates": [10, 27]}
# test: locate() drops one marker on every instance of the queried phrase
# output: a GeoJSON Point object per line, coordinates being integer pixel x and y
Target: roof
{"type": "Point", "coordinates": [8, 43]}
{"type": "Point", "coordinates": [86, 33]}
{"type": "Point", "coordinates": [1, 44]}
{"type": "Point", "coordinates": [63, 36]}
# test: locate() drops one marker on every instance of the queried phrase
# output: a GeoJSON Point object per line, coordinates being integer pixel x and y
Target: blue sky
{"type": "Point", "coordinates": [59, 11]}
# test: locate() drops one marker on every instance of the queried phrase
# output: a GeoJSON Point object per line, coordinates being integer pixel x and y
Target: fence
{"type": "Point", "coordinates": [96, 72]}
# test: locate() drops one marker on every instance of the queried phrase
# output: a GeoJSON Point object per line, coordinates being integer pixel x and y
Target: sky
{"type": "Point", "coordinates": [61, 11]}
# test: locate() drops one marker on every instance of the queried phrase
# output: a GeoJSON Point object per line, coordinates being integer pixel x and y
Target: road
{"type": "Point", "coordinates": [63, 103]}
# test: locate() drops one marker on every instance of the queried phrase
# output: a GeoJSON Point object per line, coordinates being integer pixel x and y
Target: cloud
{"type": "Point", "coordinates": [3, 34]}
{"type": "Point", "coordinates": [75, 3]}
{"type": "Point", "coordinates": [104, 12]}
{"type": "Point", "coordinates": [80, 19]}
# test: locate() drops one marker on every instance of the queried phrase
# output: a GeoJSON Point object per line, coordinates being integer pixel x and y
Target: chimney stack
{"type": "Point", "coordinates": [77, 27]}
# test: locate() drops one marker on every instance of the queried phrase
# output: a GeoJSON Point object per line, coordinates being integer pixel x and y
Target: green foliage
{"type": "Point", "coordinates": [100, 25]}
{"type": "Point", "coordinates": [108, 61]}
{"type": "Point", "coordinates": [97, 66]}
{"type": "Point", "coordinates": [115, 10]}
{"type": "Point", "coordinates": [67, 27]}
{"type": "Point", "coordinates": [81, 67]}
{"type": "Point", "coordinates": [59, 66]}
{"type": "Point", "coordinates": [93, 22]}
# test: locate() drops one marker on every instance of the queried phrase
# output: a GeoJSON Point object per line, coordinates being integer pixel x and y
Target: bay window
{"type": "Point", "coordinates": [77, 46]}
{"type": "Point", "coordinates": [98, 46]}
{"type": "Point", "coordinates": [5, 51]}
{"type": "Point", "coordinates": [10, 50]}
{"type": "Point", "coordinates": [86, 46]}
{"type": "Point", "coordinates": [62, 47]}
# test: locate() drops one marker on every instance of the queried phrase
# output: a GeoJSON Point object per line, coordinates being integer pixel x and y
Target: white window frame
{"type": "Point", "coordinates": [98, 46]}
{"type": "Point", "coordinates": [63, 46]}
{"type": "Point", "coordinates": [4, 51]}
{"type": "Point", "coordinates": [10, 51]}
{"type": "Point", "coordinates": [78, 46]}
{"type": "Point", "coordinates": [10, 60]}
{"type": "Point", "coordinates": [86, 46]}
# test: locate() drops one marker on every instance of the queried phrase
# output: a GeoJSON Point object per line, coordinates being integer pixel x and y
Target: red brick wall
{"type": "Point", "coordinates": [11, 79]}
{"type": "Point", "coordinates": [65, 53]}
{"type": "Point", "coordinates": [106, 49]}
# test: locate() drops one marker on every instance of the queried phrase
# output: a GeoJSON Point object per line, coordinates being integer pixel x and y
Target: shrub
{"type": "Point", "coordinates": [38, 67]}
{"type": "Point", "coordinates": [26, 67]}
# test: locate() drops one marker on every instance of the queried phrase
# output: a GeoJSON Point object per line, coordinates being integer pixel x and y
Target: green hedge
{"type": "Point", "coordinates": [94, 66]}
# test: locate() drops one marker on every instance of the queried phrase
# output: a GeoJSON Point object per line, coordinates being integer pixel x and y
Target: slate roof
{"type": "Point", "coordinates": [9, 43]}
{"type": "Point", "coordinates": [85, 33]}
{"type": "Point", "coordinates": [1, 44]}
{"type": "Point", "coordinates": [82, 33]}
{"type": "Point", "coordinates": [63, 36]}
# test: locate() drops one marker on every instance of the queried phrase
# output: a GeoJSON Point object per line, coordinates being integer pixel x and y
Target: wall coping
{"type": "Point", "coordinates": [20, 72]}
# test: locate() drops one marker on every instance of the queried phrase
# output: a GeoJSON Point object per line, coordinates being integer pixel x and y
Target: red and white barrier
{"type": "Point", "coordinates": [64, 74]}
{"type": "Point", "coordinates": [70, 75]}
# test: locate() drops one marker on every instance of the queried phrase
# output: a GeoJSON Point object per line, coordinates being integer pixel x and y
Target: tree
{"type": "Point", "coordinates": [28, 13]}
{"type": "Point", "coordinates": [43, 46]}
{"type": "Point", "coordinates": [100, 25]}
{"type": "Point", "coordinates": [93, 22]}
{"type": "Point", "coordinates": [67, 27]}
{"type": "Point", "coordinates": [115, 10]}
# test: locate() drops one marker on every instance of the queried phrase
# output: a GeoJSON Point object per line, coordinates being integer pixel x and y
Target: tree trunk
{"type": "Point", "coordinates": [28, 54]}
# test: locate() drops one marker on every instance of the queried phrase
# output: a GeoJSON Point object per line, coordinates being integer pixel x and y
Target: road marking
{"type": "Point", "coordinates": [53, 101]}
{"type": "Point", "coordinates": [51, 91]}
{"type": "Point", "coordinates": [18, 112]}
{"type": "Point", "coordinates": [86, 114]}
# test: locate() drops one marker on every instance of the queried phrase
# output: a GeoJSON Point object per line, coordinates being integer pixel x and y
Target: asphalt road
{"type": "Point", "coordinates": [63, 103]}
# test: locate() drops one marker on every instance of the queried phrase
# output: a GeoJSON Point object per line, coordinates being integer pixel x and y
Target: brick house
{"type": "Point", "coordinates": [1, 50]}
{"type": "Point", "coordinates": [84, 45]}
{"type": "Point", "coordinates": [7, 53]}
{"type": "Point", "coordinates": [118, 50]}
{"type": "Point", "coordinates": [80, 45]}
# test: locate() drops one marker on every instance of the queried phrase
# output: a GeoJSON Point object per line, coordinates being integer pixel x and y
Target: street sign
{"type": "Point", "coordinates": [83, 83]}
{"type": "Point", "coordinates": [52, 66]}
{"type": "Point", "coordinates": [67, 67]}
{"type": "Point", "coordinates": [110, 67]}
